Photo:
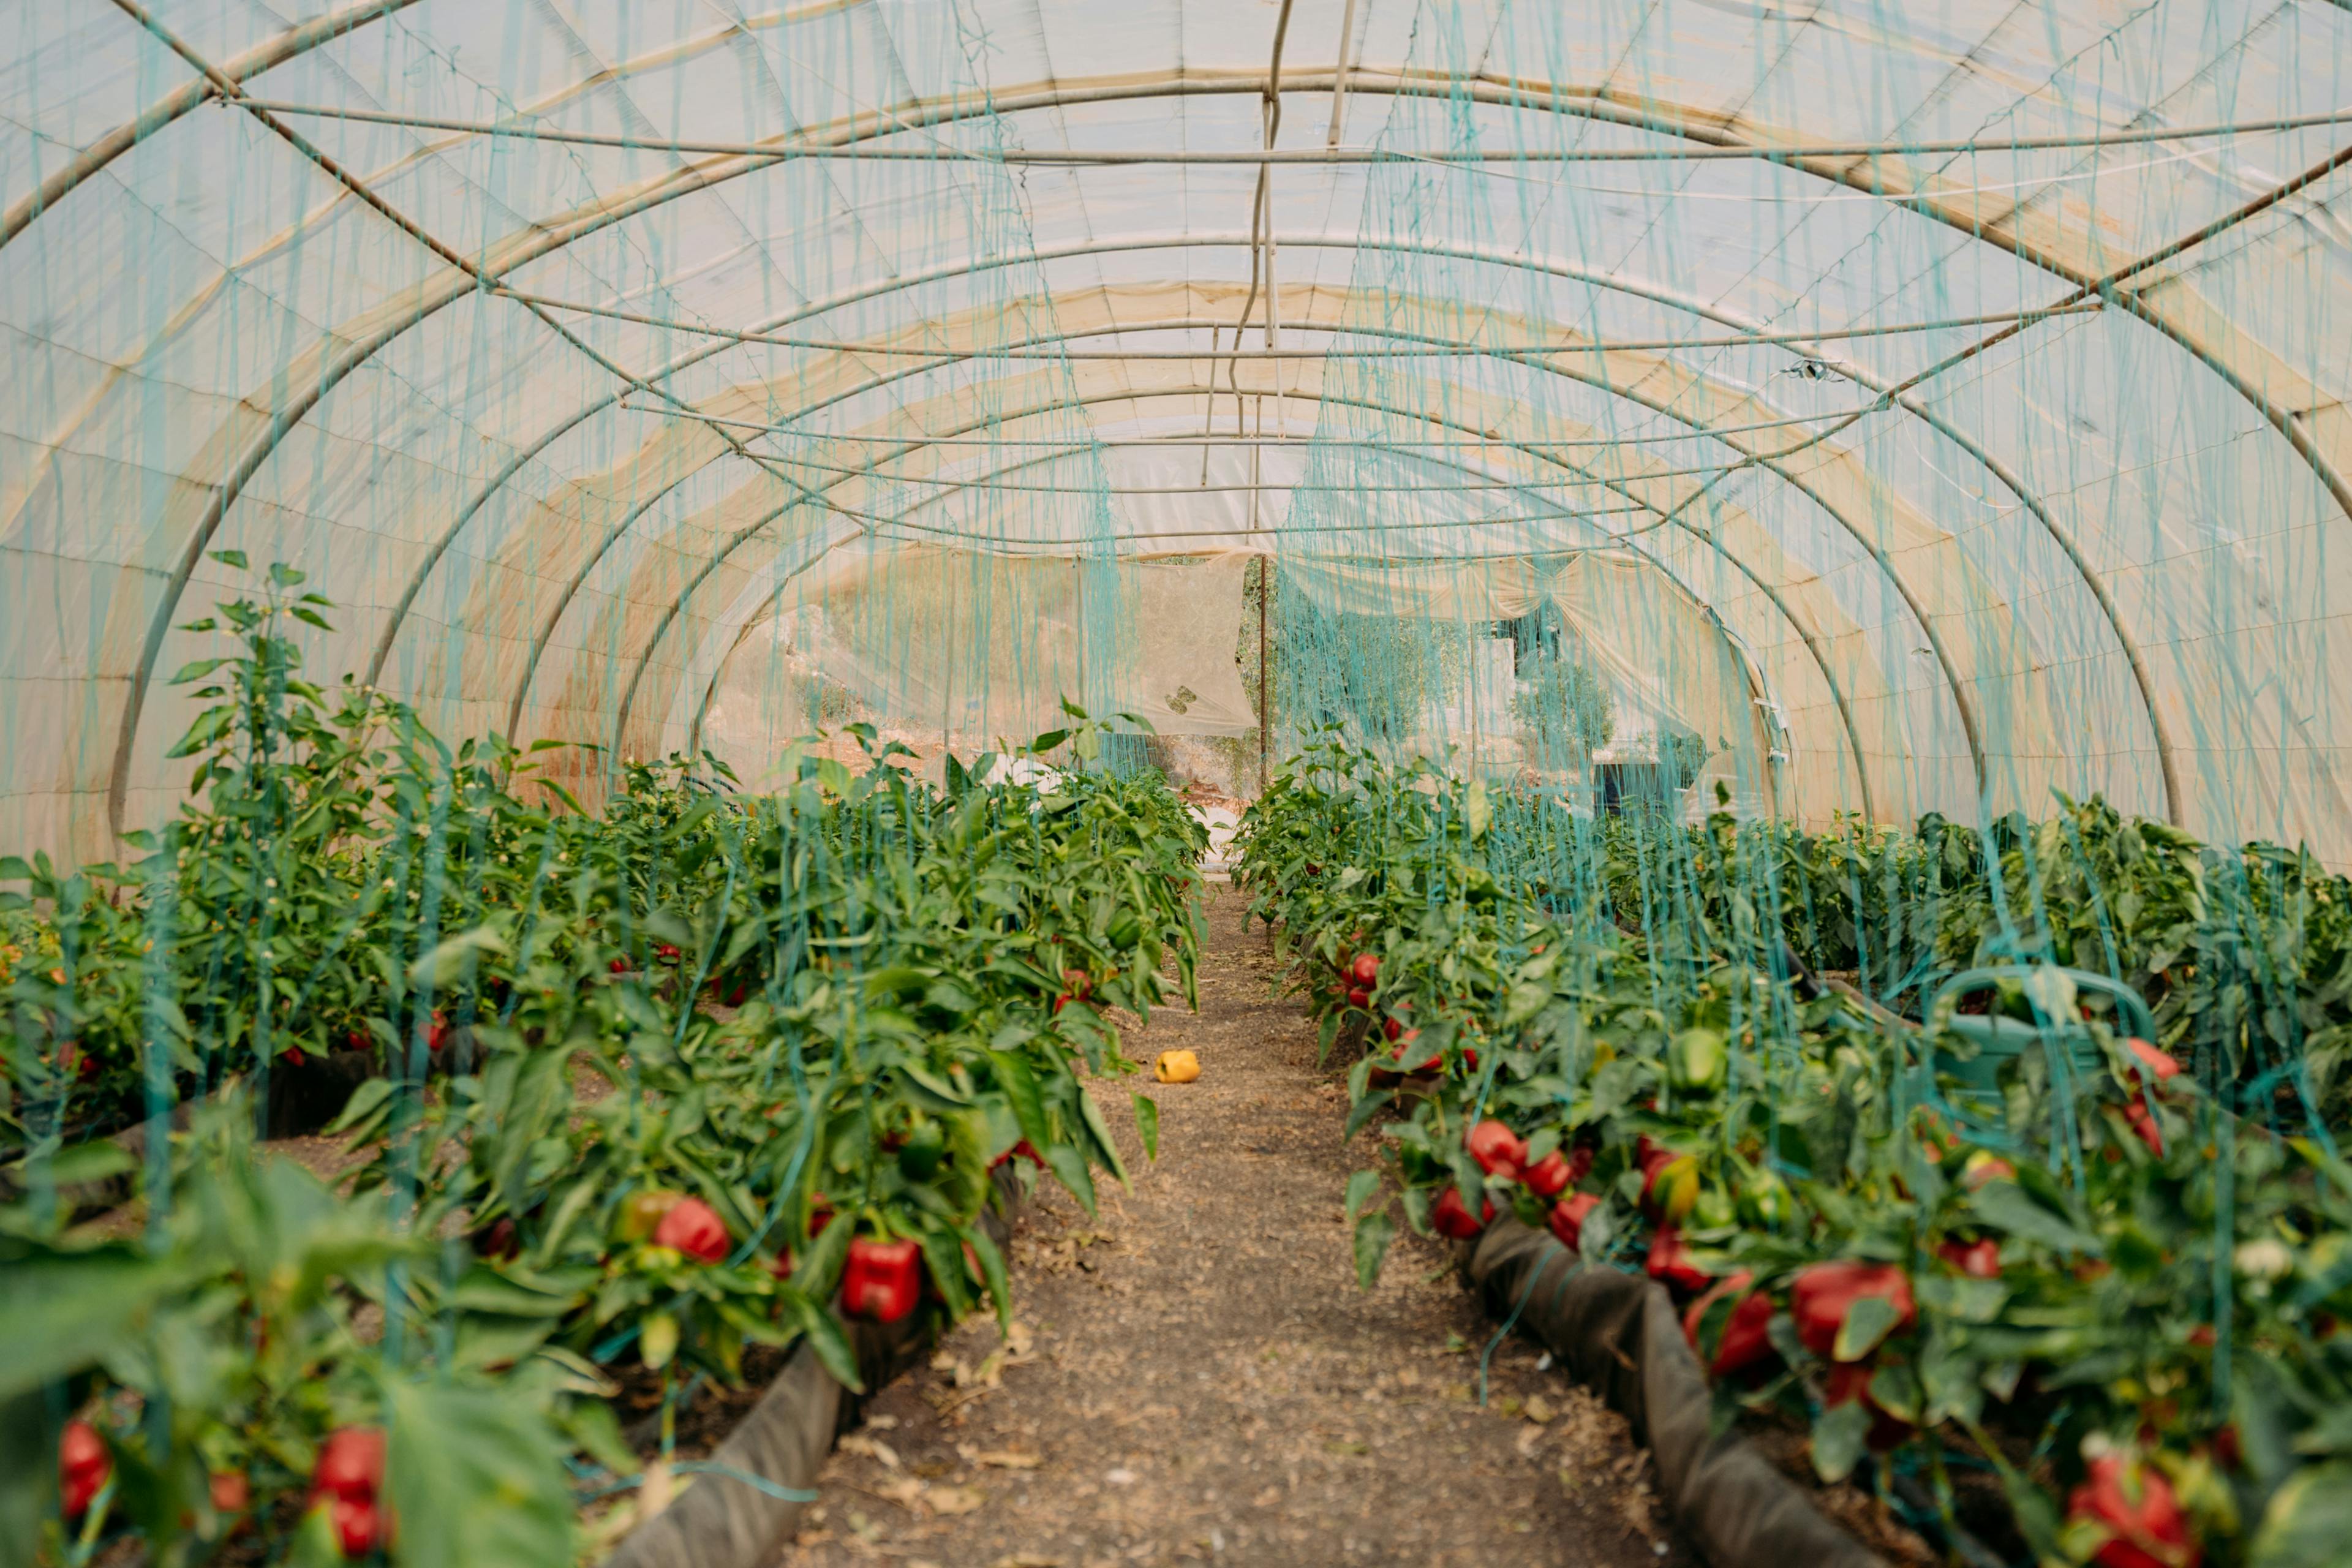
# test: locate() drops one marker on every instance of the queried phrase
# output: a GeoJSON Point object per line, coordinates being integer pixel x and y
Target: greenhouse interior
{"type": "Point", "coordinates": [1043, 783]}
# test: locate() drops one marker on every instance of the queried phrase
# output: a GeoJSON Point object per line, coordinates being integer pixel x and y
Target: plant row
{"type": "Point", "coordinates": [648, 1085]}
{"type": "Point", "coordinates": [2092, 1315]}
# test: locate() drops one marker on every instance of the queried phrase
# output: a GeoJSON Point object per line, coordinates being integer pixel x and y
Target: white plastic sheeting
{"type": "Point", "coordinates": [465, 372]}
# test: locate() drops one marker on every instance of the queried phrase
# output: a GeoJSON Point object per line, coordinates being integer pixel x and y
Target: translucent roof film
{"type": "Point", "coordinates": [1933, 404]}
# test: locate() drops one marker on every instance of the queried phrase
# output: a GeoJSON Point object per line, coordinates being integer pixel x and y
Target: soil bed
{"type": "Point", "coordinates": [1195, 1376]}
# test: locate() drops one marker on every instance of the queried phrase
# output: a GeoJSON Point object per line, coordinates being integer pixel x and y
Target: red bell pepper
{"type": "Point", "coordinates": [1366, 970]}
{"type": "Point", "coordinates": [1404, 1041]}
{"type": "Point", "coordinates": [883, 1279]}
{"type": "Point", "coordinates": [1452, 1215]}
{"type": "Point", "coordinates": [1390, 1028]}
{"type": "Point", "coordinates": [2137, 1506]}
{"type": "Point", "coordinates": [1549, 1176]}
{"type": "Point", "coordinates": [1820, 1296]}
{"type": "Point", "coordinates": [2156, 1063]}
{"type": "Point", "coordinates": [359, 1523]}
{"type": "Point", "coordinates": [1979, 1259]}
{"type": "Point", "coordinates": [1568, 1215]}
{"type": "Point", "coordinates": [1743, 1341]}
{"type": "Point", "coordinates": [1359, 997]}
{"type": "Point", "coordinates": [692, 1228]}
{"type": "Point", "coordinates": [84, 1463]}
{"type": "Point", "coordinates": [349, 1463]}
{"type": "Point", "coordinates": [1670, 1260]}
{"type": "Point", "coordinates": [230, 1490]}
{"type": "Point", "coordinates": [1498, 1151]}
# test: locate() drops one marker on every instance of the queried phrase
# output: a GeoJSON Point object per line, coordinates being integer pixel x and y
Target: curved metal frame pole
{"type": "Point", "coordinates": [2032, 501]}
{"type": "Point", "coordinates": [264, 56]}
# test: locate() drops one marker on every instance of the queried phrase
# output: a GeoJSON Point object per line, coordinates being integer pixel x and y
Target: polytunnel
{"type": "Point", "coordinates": [730, 729]}
{"type": "Point", "coordinates": [1945, 409]}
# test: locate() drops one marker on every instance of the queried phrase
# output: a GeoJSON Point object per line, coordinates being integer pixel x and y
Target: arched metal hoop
{"type": "Point", "coordinates": [1531, 96]}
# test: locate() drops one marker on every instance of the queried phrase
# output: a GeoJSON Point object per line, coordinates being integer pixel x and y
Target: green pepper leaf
{"type": "Point", "coordinates": [1147, 1124]}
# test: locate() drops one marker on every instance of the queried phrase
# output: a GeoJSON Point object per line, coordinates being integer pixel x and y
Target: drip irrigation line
{"type": "Point", "coordinates": [787, 152]}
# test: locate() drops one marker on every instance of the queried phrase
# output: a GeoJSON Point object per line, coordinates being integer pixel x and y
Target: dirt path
{"type": "Point", "coordinates": [1195, 1376]}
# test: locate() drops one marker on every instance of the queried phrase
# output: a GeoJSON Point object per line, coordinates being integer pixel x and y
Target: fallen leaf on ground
{"type": "Point", "coordinates": [955, 1499]}
{"type": "Point", "coordinates": [904, 1490]}
{"type": "Point", "coordinates": [872, 1447]}
{"type": "Point", "coordinates": [1008, 1459]}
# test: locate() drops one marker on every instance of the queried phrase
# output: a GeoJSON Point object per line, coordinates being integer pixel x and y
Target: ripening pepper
{"type": "Point", "coordinates": [1979, 1259]}
{"type": "Point", "coordinates": [1176, 1066]}
{"type": "Point", "coordinates": [1670, 1260]}
{"type": "Point", "coordinates": [883, 1279]}
{"type": "Point", "coordinates": [1980, 1168]}
{"type": "Point", "coordinates": [1743, 1341]}
{"type": "Point", "coordinates": [1450, 1216]}
{"type": "Point", "coordinates": [641, 1211]}
{"type": "Point", "coordinates": [1498, 1151]}
{"type": "Point", "coordinates": [1567, 1216]}
{"type": "Point", "coordinates": [83, 1467]}
{"type": "Point", "coordinates": [2136, 1505]}
{"type": "Point", "coordinates": [1820, 1296]}
{"type": "Point", "coordinates": [1670, 1184]}
{"type": "Point", "coordinates": [230, 1490]}
{"type": "Point", "coordinates": [692, 1228]}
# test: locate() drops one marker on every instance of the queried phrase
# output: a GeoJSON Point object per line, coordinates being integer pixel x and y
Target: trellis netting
{"type": "Point", "coordinates": [1887, 425]}
{"type": "Point", "coordinates": [1926, 409]}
